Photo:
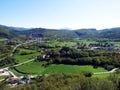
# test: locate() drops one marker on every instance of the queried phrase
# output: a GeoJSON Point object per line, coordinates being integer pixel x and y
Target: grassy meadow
{"type": "Point", "coordinates": [22, 58]}
{"type": "Point", "coordinates": [3, 39]}
{"type": "Point", "coordinates": [38, 68]}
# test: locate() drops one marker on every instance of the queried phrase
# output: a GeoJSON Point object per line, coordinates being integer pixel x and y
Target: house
{"type": "Point", "coordinates": [14, 81]}
{"type": "Point", "coordinates": [25, 80]}
{"type": "Point", "coordinates": [37, 37]}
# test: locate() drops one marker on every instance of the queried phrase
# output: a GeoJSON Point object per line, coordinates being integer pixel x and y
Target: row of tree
{"type": "Point", "coordinates": [7, 61]}
{"type": "Point", "coordinates": [106, 59]}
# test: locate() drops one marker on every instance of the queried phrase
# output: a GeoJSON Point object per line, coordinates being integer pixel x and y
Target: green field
{"type": "Point", "coordinates": [101, 75]}
{"type": "Point", "coordinates": [37, 68]}
{"type": "Point", "coordinates": [71, 43]}
{"type": "Point", "coordinates": [65, 43]}
{"type": "Point", "coordinates": [71, 69]}
{"type": "Point", "coordinates": [22, 58]}
{"type": "Point", "coordinates": [116, 43]}
{"type": "Point", "coordinates": [105, 75]}
{"type": "Point", "coordinates": [3, 39]}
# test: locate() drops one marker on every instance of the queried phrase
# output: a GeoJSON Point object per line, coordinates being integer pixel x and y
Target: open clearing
{"type": "Point", "coordinates": [22, 58]}
{"type": "Point", "coordinates": [3, 39]}
{"type": "Point", "coordinates": [37, 68]}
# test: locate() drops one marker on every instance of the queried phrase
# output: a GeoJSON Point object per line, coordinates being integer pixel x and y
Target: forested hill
{"type": "Point", "coordinates": [53, 33]}
{"type": "Point", "coordinates": [87, 33]}
{"type": "Point", "coordinates": [113, 33]}
{"type": "Point", "coordinates": [9, 32]}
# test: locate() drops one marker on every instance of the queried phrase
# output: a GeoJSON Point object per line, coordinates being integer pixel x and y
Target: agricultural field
{"type": "Point", "coordinates": [58, 43]}
{"type": "Point", "coordinates": [30, 54]}
{"type": "Point", "coordinates": [107, 75]}
{"type": "Point", "coordinates": [38, 68]}
{"type": "Point", "coordinates": [71, 69]}
{"type": "Point", "coordinates": [3, 39]}
{"type": "Point", "coordinates": [116, 43]}
{"type": "Point", "coordinates": [101, 75]}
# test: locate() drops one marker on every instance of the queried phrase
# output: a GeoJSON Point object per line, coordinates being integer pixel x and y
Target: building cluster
{"type": "Point", "coordinates": [97, 47]}
{"type": "Point", "coordinates": [20, 80]}
{"type": "Point", "coordinates": [37, 37]}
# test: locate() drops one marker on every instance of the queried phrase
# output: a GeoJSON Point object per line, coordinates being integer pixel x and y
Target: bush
{"type": "Point", "coordinates": [87, 74]}
{"type": "Point", "coordinates": [109, 67]}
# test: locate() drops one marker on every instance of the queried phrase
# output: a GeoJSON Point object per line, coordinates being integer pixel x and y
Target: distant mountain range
{"type": "Point", "coordinates": [10, 32]}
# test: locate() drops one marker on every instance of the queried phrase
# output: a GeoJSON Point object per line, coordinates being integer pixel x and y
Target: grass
{"type": "Point", "coordinates": [17, 73]}
{"type": "Point", "coordinates": [87, 42]}
{"type": "Point", "coordinates": [105, 75]}
{"type": "Point", "coordinates": [3, 77]}
{"type": "Point", "coordinates": [65, 43]}
{"type": "Point", "coordinates": [116, 43]}
{"type": "Point", "coordinates": [22, 58]}
{"type": "Point", "coordinates": [31, 67]}
{"type": "Point", "coordinates": [71, 69]}
{"type": "Point", "coordinates": [37, 68]}
{"type": "Point", "coordinates": [3, 39]}
{"type": "Point", "coordinates": [73, 43]}
{"type": "Point", "coordinates": [101, 75]}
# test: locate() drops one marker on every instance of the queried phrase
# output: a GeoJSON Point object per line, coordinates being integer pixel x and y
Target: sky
{"type": "Point", "coordinates": [60, 14]}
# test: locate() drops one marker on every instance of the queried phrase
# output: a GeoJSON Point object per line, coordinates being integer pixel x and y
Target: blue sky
{"type": "Point", "coordinates": [73, 14]}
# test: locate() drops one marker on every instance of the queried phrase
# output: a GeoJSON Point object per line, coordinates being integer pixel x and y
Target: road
{"type": "Point", "coordinates": [112, 71]}
{"type": "Point", "coordinates": [15, 49]}
{"type": "Point", "coordinates": [19, 46]}
{"type": "Point", "coordinates": [24, 62]}
{"type": "Point", "coordinates": [6, 71]}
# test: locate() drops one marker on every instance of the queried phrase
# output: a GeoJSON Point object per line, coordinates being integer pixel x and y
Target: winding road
{"type": "Point", "coordinates": [15, 49]}
{"type": "Point", "coordinates": [6, 71]}
{"type": "Point", "coordinates": [112, 71]}
{"type": "Point", "coordinates": [30, 41]}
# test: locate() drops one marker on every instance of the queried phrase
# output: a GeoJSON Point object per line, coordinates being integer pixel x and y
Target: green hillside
{"type": "Point", "coordinates": [10, 32]}
{"type": "Point", "coordinates": [4, 32]}
{"type": "Point", "coordinates": [113, 33]}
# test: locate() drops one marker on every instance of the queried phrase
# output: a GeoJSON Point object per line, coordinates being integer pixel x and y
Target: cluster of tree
{"type": "Point", "coordinates": [46, 46]}
{"type": "Point", "coordinates": [105, 44]}
{"type": "Point", "coordinates": [6, 32]}
{"type": "Point", "coordinates": [11, 42]}
{"type": "Point", "coordinates": [25, 53]}
{"type": "Point", "coordinates": [5, 50]}
{"type": "Point", "coordinates": [70, 82]}
{"type": "Point", "coordinates": [113, 33]}
{"type": "Point", "coordinates": [37, 46]}
{"type": "Point", "coordinates": [7, 61]}
{"type": "Point", "coordinates": [106, 59]}
{"type": "Point", "coordinates": [81, 45]}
